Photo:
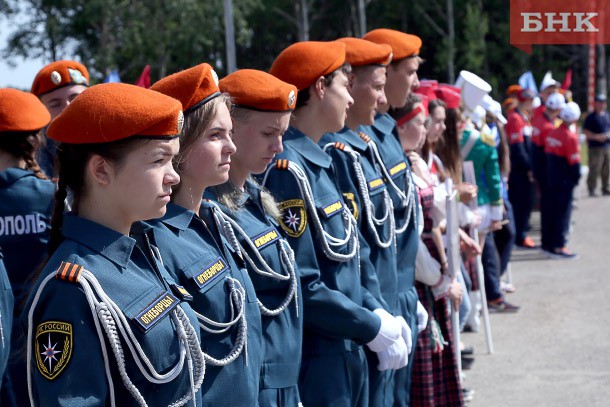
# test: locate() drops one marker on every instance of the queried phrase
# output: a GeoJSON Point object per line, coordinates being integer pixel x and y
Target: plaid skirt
{"type": "Point", "coordinates": [436, 380]}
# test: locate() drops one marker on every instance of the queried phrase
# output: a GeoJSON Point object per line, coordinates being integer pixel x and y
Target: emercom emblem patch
{"type": "Point", "coordinates": [294, 217]}
{"type": "Point", "coordinates": [53, 347]}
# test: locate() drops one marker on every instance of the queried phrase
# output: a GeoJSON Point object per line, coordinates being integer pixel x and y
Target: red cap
{"type": "Point", "coordinates": [301, 64]}
{"type": "Point", "coordinates": [21, 111]}
{"type": "Point", "coordinates": [59, 74]}
{"type": "Point", "coordinates": [115, 111]}
{"type": "Point", "coordinates": [193, 87]}
{"type": "Point", "coordinates": [450, 97]}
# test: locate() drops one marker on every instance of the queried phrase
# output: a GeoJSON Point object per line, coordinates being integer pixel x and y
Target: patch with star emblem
{"type": "Point", "coordinates": [53, 347]}
{"type": "Point", "coordinates": [350, 200]}
{"type": "Point", "coordinates": [294, 217]}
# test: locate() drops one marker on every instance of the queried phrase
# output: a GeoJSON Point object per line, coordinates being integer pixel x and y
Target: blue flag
{"type": "Point", "coordinates": [527, 81]}
{"type": "Point", "coordinates": [113, 76]}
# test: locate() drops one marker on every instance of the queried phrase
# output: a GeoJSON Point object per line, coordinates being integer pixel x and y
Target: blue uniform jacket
{"type": "Point", "coordinates": [382, 281]}
{"type": "Point", "coordinates": [26, 203]}
{"type": "Point", "coordinates": [67, 358]}
{"type": "Point", "coordinates": [282, 334]}
{"type": "Point", "coordinates": [383, 133]}
{"type": "Point", "coordinates": [6, 315]}
{"type": "Point", "coordinates": [202, 260]}
{"type": "Point", "coordinates": [334, 316]}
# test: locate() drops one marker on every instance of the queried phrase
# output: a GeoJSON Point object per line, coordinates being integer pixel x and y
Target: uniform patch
{"type": "Point", "coordinates": [266, 238]}
{"type": "Point", "coordinates": [153, 313]}
{"type": "Point", "coordinates": [294, 217]}
{"type": "Point", "coordinates": [210, 272]}
{"type": "Point", "coordinates": [332, 209]}
{"type": "Point", "coordinates": [351, 204]}
{"type": "Point", "coordinates": [397, 169]}
{"type": "Point", "coordinates": [376, 183]}
{"type": "Point", "coordinates": [53, 347]}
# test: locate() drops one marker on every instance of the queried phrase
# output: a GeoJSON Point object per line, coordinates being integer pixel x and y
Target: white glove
{"type": "Point", "coordinates": [422, 317]}
{"type": "Point", "coordinates": [406, 333]}
{"type": "Point", "coordinates": [389, 331]}
{"type": "Point", "coordinates": [394, 357]}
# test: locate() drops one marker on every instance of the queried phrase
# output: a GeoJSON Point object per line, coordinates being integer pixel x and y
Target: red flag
{"type": "Point", "coordinates": [144, 79]}
{"type": "Point", "coordinates": [567, 80]}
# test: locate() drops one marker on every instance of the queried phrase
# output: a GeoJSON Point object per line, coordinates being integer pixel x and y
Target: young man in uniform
{"type": "Point", "coordinates": [542, 125]}
{"type": "Point", "coordinates": [563, 169]}
{"type": "Point", "coordinates": [401, 79]}
{"type": "Point", "coordinates": [596, 127]}
{"type": "Point", "coordinates": [521, 178]}
{"type": "Point", "coordinates": [56, 85]}
{"type": "Point", "coordinates": [366, 193]}
{"type": "Point", "coordinates": [340, 316]}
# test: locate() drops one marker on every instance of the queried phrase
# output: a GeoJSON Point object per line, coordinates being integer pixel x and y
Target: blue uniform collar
{"type": "Point", "coordinates": [303, 145]}
{"type": "Point", "coordinates": [347, 136]}
{"type": "Point", "coordinates": [384, 123]}
{"type": "Point", "coordinates": [111, 244]}
{"type": "Point", "coordinates": [10, 175]}
{"type": "Point", "coordinates": [177, 216]}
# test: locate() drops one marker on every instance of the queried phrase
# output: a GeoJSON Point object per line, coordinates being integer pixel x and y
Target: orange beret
{"type": "Point", "coordinates": [509, 104]}
{"type": "Point", "coordinates": [21, 111]}
{"type": "Point", "coordinates": [403, 45]}
{"type": "Point", "coordinates": [59, 74]}
{"type": "Point", "coordinates": [359, 52]}
{"type": "Point", "coordinates": [513, 90]}
{"type": "Point", "coordinates": [116, 111]}
{"type": "Point", "coordinates": [302, 63]}
{"type": "Point", "coordinates": [193, 87]}
{"type": "Point", "coordinates": [259, 90]}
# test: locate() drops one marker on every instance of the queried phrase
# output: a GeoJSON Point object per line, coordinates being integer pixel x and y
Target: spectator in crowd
{"type": "Point", "coordinates": [596, 127]}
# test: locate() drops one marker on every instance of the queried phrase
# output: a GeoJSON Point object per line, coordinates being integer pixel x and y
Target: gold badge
{"type": "Point", "coordinates": [351, 204]}
{"type": "Point", "coordinates": [294, 217]}
{"type": "Point", "coordinates": [53, 347]}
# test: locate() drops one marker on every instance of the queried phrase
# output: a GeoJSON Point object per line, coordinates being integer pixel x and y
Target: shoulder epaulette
{"type": "Point", "coordinates": [282, 164]}
{"type": "Point", "coordinates": [364, 137]}
{"type": "Point", "coordinates": [68, 272]}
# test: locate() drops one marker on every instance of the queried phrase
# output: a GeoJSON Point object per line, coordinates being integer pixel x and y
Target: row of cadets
{"type": "Point", "coordinates": [367, 196]}
{"type": "Point", "coordinates": [26, 203]}
{"type": "Point", "coordinates": [563, 172]}
{"type": "Point", "coordinates": [521, 178]}
{"type": "Point", "coordinates": [542, 125]}
{"type": "Point", "coordinates": [436, 379]}
{"type": "Point", "coordinates": [261, 114]}
{"type": "Point", "coordinates": [198, 246]}
{"type": "Point", "coordinates": [104, 325]}
{"type": "Point", "coordinates": [340, 316]}
{"type": "Point", "coordinates": [401, 79]}
{"type": "Point", "coordinates": [56, 85]}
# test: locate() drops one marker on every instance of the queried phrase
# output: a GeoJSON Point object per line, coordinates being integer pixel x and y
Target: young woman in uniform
{"type": "Point", "coordinates": [261, 114]}
{"type": "Point", "coordinates": [106, 323]}
{"type": "Point", "coordinates": [26, 202]}
{"type": "Point", "coordinates": [340, 316]}
{"type": "Point", "coordinates": [200, 248]}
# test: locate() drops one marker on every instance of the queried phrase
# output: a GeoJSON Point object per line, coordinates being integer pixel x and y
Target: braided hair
{"type": "Point", "coordinates": [23, 145]}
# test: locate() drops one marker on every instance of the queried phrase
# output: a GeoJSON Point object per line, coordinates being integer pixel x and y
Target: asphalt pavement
{"type": "Point", "coordinates": [556, 350]}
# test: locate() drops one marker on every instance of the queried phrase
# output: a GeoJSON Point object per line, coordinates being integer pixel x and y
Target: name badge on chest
{"type": "Point", "coordinates": [156, 310]}
{"type": "Point", "coordinates": [210, 272]}
{"type": "Point", "coordinates": [266, 238]}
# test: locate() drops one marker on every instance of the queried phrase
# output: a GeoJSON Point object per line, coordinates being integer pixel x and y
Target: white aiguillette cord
{"type": "Point", "coordinates": [369, 211]}
{"type": "Point", "coordinates": [106, 312]}
{"type": "Point", "coordinates": [328, 241]}
{"type": "Point", "coordinates": [286, 257]}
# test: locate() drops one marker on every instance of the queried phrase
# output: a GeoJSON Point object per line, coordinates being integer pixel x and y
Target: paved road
{"type": "Point", "coordinates": [556, 350]}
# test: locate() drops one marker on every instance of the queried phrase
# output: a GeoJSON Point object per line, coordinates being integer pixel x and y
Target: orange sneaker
{"type": "Point", "coordinates": [528, 243]}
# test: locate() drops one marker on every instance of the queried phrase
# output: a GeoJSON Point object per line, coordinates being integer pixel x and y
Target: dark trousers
{"type": "Point", "coordinates": [599, 165]}
{"type": "Point", "coordinates": [561, 215]}
{"type": "Point", "coordinates": [546, 217]}
{"type": "Point", "coordinates": [505, 237]}
{"type": "Point", "coordinates": [491, 269]}
{"type": "Point", "coordinates": [521, 195]}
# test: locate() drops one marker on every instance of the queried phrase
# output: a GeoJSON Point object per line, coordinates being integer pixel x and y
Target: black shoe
{"type": "Point", "coordinates": [468, 350]}
{"type": "Point", "coordinates": [592, 193]}
{"type": "Point", "coordinates": [605, 193]}
{"type": "Point", "coordinates": [467, 394]}
{"type": "Point", "coordinates": [467, 363]}
{"type": "Point", "coordinates": [502, 306]}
